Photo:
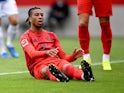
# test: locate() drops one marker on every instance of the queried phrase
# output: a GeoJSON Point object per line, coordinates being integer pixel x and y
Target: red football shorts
{"type": "Point", "coordinates": [37, 68]}
{"type": "Point", "coordinates": [102, 8]}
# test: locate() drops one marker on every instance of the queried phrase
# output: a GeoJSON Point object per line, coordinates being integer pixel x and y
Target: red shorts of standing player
{"type": "Point", "coordinates": [103, 10]}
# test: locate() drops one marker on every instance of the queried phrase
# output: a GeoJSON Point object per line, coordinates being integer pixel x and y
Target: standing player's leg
{"type": "Point", "coordinates": [84, 11]}
{"type": "Point", "coordinates": [12, 13]}
{"type": "Point", "coordinates": [106, 38]}
{"type": "Point", "coordinates": [103, 10]}
{"type": "Point", "coordinates": [11, 34]}
{"type": "Point", "coordinates": [3, 52]}
{"type": "Point", "coordinates": [84, 36]}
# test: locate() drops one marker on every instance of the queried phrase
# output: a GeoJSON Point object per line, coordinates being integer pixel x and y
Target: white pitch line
{"type": "Point", "coordinates": [95, 64]}
{"type": "Point", "coordinates": [18, 72]}
{"type": "Point", "coordinates": [112, 62]}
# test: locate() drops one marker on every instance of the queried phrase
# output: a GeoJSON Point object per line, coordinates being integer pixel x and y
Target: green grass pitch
{"type": "Point", "coordinates": [14, 77]}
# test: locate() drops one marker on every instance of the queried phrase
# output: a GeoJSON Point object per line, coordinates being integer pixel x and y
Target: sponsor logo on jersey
{"type": "Point", "coordinates": [24, 42]}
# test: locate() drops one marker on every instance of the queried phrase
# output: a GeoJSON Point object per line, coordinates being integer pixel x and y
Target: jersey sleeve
{"type": "Point", "coordinates": [62, 53]}
{"type": "Point", "coordinates": [29, 49]}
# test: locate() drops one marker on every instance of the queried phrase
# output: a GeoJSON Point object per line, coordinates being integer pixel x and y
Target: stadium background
{"type": "Point", "coordinates": [70, 29]}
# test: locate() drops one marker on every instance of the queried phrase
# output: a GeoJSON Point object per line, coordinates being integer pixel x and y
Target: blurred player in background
{"type": "Point", "coordinates": [8, 8]}
{"type": "Point", "coordinates": [103, 9]}
{"type": "Point", "coordinates": [44, 55]}
{"type": "Point", "coordinates": [58, 14]}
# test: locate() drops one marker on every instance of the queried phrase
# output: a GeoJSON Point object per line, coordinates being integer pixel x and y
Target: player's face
{"type": "Point", "coordinates": [36, 18]}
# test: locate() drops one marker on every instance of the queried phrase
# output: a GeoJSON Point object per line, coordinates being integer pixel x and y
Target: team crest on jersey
{"type": "Point", "coordinates": [24, 42]}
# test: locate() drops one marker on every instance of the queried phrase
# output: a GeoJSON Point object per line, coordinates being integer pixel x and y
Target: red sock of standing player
{"type": "Point", "coordinates": [84, 38]}
{"type": "Point", "coordinates": [74, 72]}
{"type": "Point", "coordinates": [106, 37]}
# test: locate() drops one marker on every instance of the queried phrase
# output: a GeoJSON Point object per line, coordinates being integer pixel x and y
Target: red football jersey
{"type": "Point", "coordinates": [35, 46]}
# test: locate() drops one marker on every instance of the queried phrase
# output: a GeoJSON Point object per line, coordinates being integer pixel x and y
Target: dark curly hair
{"type": "Point", "coordinates": [30, 12]}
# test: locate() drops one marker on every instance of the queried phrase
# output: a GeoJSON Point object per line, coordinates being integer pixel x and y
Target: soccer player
{"type": "Point", "coordinates": [103, 10]}
{"type": "Point", "coordinates": [8, 8]}
{"type": "Point", "coordinates": [44, 55]}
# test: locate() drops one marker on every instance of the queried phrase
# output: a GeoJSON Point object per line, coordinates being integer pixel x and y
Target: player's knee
{"type": "Point", "coordinates": [13, 19]}
{"type": "Point", "coordinates": [104, 19]}
{"type": "Point", "coordinates": [44, 69]}
{"type": "Point", "coordinates": [65, 66]}
{"type": "Point", "coordinates": [83, 23]}
{"type": "Point", "coordinates": [14, 22]}
{"type": "Point", "coordinates": [69, 70]}
{"type": "Point", "coordinates": [83, 20]}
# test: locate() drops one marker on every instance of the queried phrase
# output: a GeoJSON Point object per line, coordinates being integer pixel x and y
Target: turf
{"type": "Point", "coordinates": [105, 81]}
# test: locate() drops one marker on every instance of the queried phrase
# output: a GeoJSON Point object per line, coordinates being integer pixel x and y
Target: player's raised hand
{"type": "Point", "coordinates": [77, 53]}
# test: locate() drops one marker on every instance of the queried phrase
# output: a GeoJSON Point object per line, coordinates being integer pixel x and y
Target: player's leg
{"type": "Point", "coordinates": [11, 34]}
{"type": "Point", "coordinates": [12, 13]}
{"type": "Point", "coordinates": [79, 74]}
{"type": "Point", "coordinates": [84, 11]}
{"type": "Point", "coordinates": [3, 52]}
{"type": "Point", "coordinates": [106, 38]}
{"type": "Point", "coordinates": [86, 67]}
{"type": "Point", "coordinates": [42, 72]}
{"type": "Point", "coordinates": [72, 72]}
{"type": "Point", "coordinates": [103, 10]}
{"type": "Point", "coordinates": [49, 72]}
{"type": "Point", "coordinates": [60, 76]}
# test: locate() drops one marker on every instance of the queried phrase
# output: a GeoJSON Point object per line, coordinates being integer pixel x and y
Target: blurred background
{"type": "Point", "coordinates": [70, 26]}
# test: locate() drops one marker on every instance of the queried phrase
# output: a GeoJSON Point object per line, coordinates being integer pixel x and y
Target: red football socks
{"type": "Point", "coordinates": [51, 77]}
{"type": "Point", "coordinates": [84, 38]}
{"type": "Point", "coordinates": [106, 37]}
{"type": "Point", "coordinates": [73, 72]}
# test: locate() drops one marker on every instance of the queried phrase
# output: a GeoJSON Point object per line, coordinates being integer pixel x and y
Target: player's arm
{"type": "Point", "coordinates": [62, 54]}
{"type": "Point", "coordinates": [29, 49]}
{"type": "Point", "coordinates": [76, 54]}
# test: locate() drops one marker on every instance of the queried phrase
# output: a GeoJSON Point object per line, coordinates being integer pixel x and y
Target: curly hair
{"type": "Point", "coordinates": [30, 13]}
